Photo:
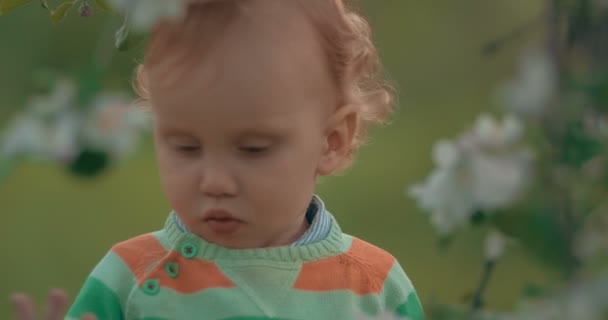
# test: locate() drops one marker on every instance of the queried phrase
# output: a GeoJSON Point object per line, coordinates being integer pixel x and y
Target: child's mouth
{"type": "Point", "coordinates": [221, 221]}
{"type": "Point", "coordinates": [223, 225]}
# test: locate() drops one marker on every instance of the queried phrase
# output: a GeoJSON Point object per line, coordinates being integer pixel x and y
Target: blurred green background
{"type": "Point", "coordinates": [55, 227]}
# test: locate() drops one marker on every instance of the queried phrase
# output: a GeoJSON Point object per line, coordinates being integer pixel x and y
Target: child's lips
{"type": "Point", "coordinates": [224, 225]}
{"type": "Point", "coordinates": [221, 221]}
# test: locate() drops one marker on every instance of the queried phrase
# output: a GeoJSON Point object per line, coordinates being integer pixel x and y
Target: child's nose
{"type": "Point", "coordinates": [216, 180]}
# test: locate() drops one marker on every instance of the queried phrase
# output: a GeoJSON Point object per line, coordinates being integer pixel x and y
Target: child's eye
{"type": "Point", "coordinates": [187, 149]}
{"type": "Point", "coordinates": [253, 150]}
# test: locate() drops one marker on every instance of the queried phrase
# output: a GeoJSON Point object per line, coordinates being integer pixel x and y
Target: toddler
{"type": "Point", "coordinates": [252, 101]}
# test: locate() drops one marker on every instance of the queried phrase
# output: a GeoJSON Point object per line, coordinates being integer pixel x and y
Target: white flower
{"type": "Point", "coordinates": [446, 155]}
{"type": "Point", "coordinates": [61, 98]}
{"type": "Point", "coordinates": [48, 126]}
{"type": "Point", "coordinates": [531, 90]}
{"type": "Point", "coordinates": [499, 180]}
{"type": "Point", "coordinates": [592, 238]}
{"type": "Point", "coordinates": [493, 134]}
{"type": "Point", "coordinates": [62, 141]}
{"type": "Point", "coordinates": [113, 125]}
{"type": "Point", "coordinates": [144, 14]}
{"type": "Point", "coordinates": [447, 192]}
{"type": "Point", "coordinates": [582, 300]}
{"type": "Point", "coordinates": [52, 128]}
{"type": "Point", "coordinates": [24, 135]}
{"type": "Point", "coordinates": [30, 135]}
{"type": "Point", "coordinates": [494, 245]}
{"type": "Point", "coordinates": [485, 169]}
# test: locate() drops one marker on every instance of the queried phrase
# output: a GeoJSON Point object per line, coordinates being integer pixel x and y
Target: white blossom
{"type": "Point", "coordinates": [499, 180]}
{"type": "Point", "coordinates": [24, 135]}
{"type": "Point", "coordinates": [144, 14]}
{"type": "Point", "coordinates": [61, 98]}
{"type": "Point", "coordinates": [494, 245]}
{"type": "Point", "coordinates": [486, 168]}
{"type": "Point", "coordinates": [447, 192]}
{"type": "Point", "coordinates": [536, 82]}
{"type": "Point", "coordinates": [53, 128]}
{"type": "Point", "coordinates": [592, 238]}
{"type": "Point", "coordinates": [52, 140]}
{"type": "Point", "coordinates": [114, 125]}
{"type": "Point", "coordinates": [62, 141]}
{"type": "Point", "coordinates": [47, 128]}
{"type": "Point", "coordinates": [580, 300]}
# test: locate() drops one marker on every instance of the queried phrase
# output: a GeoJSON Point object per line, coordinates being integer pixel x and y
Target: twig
{"type": "Point", "coordinates": [483, 283]}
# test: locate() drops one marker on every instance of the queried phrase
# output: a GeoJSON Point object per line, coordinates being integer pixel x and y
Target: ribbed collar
{"type": "Point", "coordinates": [332, 245]}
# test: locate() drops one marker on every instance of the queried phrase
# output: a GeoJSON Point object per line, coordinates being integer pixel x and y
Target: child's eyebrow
{"type": "Point", "coordinates": [266, 133]}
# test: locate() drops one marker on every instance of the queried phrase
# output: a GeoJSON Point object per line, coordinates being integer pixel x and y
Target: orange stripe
{"type": "Point", "coordinates": [139, 253]}
{"type": "Point", "coordinates": [194, 275]}
{"type": "Point", "coordinates": [362, 270]}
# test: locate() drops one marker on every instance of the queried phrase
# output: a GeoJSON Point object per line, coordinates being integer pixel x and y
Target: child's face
{"type": "Point", "coordinates": [241, 137]}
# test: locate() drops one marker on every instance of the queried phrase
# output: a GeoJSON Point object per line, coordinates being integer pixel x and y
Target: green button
{"type": "Point", "coordinates": [151, 287]}
{"type": "Point", "coordinates": [189, 250]}
{"type": "Point", "coordinates": [172, 269]}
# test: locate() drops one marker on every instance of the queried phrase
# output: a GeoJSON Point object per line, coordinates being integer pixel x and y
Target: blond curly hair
{"type": "Point", "coordinates": [346, 40]}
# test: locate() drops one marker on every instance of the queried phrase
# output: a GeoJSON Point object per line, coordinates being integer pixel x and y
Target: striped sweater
{"type": "Point", "coordinates": [171, 274]}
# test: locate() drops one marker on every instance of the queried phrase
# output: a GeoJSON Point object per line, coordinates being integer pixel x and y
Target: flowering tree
{"type": "Point", "coordinates": [536, 175]}
{"type": "Point", "coordinates": [75, 123]}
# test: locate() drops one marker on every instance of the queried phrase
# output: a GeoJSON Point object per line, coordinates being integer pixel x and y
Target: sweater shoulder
{"type": "Point", "coordinates": [141, 252]}
{"type": "Point", "coordinates": [371, 259]}
{"type": "Point", "coordinates": [362, 268]}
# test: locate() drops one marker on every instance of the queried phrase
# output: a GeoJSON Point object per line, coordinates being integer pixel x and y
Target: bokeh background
{"type": "Point", "coordinates": [56, 226]}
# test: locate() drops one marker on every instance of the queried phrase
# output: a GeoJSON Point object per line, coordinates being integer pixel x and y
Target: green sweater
{"type": "Point", "coordinates": [174, 275]}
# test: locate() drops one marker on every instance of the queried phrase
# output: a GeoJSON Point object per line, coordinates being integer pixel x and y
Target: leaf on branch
{"type": "Point", "coordinates": [578, 146]}
{"type": "Point", "coordinates": [478, 218]}
{"type": "Point", "coordinates": [90, 163]}
{"type": "Point", "coordinates": [9, 5]}
{"type": "Point", "coordinates": [532, 290]}
{"type": "Point", "coordinates": [536, 227]}
{"type": "Point", "coordinates": [61, 11]}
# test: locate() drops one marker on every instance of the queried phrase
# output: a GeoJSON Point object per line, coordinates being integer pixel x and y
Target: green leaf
{"type": "Point", "coordinates": [8, 5]}
{"type": "Point", "coordinates": [44, 4]}
{"type": "Point", "coordinates": [536, 226]}
{"type": "Point", "coordinates": [580, 21]}
{"type": "Point", "coordinates": [532, 290]}
{"type": "Point", "coordinates": [577, 146]}
{"type": "Point", "coordinates": [103, 5]}
{"type": "Point", "coordinates": [61, 11]}
{"type": "Point", "coordinates": [478, 218]}
{"type": "Point", "coordinates": [90, 163]}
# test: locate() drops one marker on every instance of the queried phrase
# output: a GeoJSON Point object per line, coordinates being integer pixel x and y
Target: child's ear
{"type": "Point", "coordinates": [338, 140]}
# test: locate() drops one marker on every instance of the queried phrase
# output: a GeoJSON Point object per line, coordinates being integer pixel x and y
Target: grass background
{"type": "Point", "coordinates": [55, 227]}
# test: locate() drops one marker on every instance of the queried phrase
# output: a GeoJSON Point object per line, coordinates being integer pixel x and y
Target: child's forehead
{"type": "Point", "coordinates": [259, 58]}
